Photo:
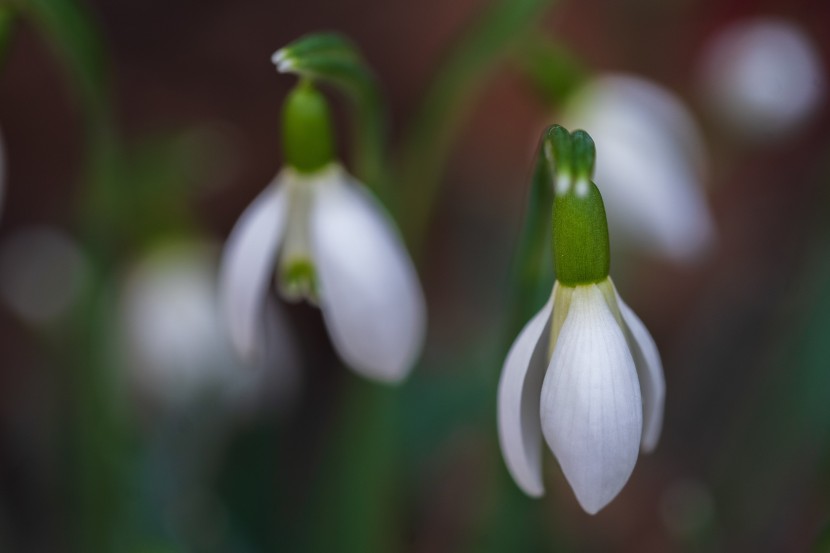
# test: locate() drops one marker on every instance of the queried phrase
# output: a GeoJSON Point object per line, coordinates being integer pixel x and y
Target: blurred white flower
{"type": "Point", "coordinates": [179, 350]}
{"type": "Point", "coordinates": [651, 162]}
{"type": "Point", "coordinates": [762, 77]}
{"type": "Point", "coordinates": [586, 374]}
{"type": "Point", "coordinates": [332, 244]}
{"type": "Point", "coordinates": [42, 274]}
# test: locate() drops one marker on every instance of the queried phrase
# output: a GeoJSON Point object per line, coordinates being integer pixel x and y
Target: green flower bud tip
{"type": "Point", "coordinates": [307, 139]}
{"type": "Point", "coordinates": [581, 249]}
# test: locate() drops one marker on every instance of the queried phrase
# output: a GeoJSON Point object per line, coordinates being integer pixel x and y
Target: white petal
{"type": "Point", "coordinates": [520, 388]}
{"type": "Point", "coordinates": [370, 296]}
{"type": "Point", "coordinates": [591, 409]}
{"type": "Point", "coordinates": [650, 373]}
{"type": "Point", "coordinates": [247, 265]}
{"type": "Point", "coordinates": [651, 164]}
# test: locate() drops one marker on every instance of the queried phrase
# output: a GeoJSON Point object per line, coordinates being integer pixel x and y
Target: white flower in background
{"type": "Point", "coordinates": [178, 349]}
{"type": "Point", "coordinates": [651, 165]}
{"type": "Point", "coordinates": [328, 241]}
{"type": "Point", "coordinates": [762, 77]}
{"type": "Point", "coordinates": [584, 372]}
{"type": "Point", "coordinates": [42, 274]}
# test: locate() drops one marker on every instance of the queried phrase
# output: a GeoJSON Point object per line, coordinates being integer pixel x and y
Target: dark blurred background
{"type": "Point", "coordinates": [95, 458]}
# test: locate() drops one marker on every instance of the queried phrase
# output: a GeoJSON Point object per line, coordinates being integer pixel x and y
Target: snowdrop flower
{"type": "Point", "coordinates": [332, 244]}
{"type": "Point", "coordinates": [762, 77]}
{"type": "Point", "coordinates": [177, 346]}
{"type": "Point", "coordinates": [652, 165]}
{"type": "Point", "coordinates": [43, 273]}
{"type": "Point", "coordinates": [584, 372]}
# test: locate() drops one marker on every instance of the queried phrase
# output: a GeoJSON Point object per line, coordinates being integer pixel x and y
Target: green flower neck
{"type": "Point", "coordinates": [307, 138]}
{"type": "Point", "coordinates": [581, 250]}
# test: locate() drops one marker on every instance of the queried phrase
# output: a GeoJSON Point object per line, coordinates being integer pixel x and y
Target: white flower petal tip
{"type": "Point", "coordinates": [650, 373]}
{"type": "Point", "coordinates": [762, 77]}
{"type": "Point", "coordinates": [370, 296]}
{"type": "Point", "coordinates": [519, 425]}
{"type": "Point", "coordinates": [281, 60]}
{"type": "Point", "coordinates": [591, 408]}
{"type": "Point", "coordinates": [651, 165]}
{"type": "Point", "coordinates": [247, 265]}
{"type": "Point", "coordinates": [279, 56]}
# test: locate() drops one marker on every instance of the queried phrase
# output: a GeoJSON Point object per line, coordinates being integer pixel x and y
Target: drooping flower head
{"type": "Point", "coordinates": [325, 239]}
{"type": "Point", "coordinates": [584, 372]}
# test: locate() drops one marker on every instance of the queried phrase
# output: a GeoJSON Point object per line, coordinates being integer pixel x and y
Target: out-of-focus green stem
{"type": "Point", "coordinates": [98, 435]}
{"type": "Point", "coordinates": [552, 69]}
{"type": "Point", "coordinates": [532, 275]}
{"type": "Point", "coordinates": [354, 506]}
{"type": "Point", "coordinates": [448, 101]}
{"type": "Point", "coordinates": [77, 42]}
{"type": "Point", "coordinates": [8, 19]}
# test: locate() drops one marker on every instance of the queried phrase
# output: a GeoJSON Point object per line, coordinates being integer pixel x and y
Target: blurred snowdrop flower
{"type": "Point", "coordinates": [329, 242]}
{"type": "Point", "coordinates": [584, 372]}
{"type": "Point", "coordinates": [42, 274]}
{"type": "Point", "coordinates": [178, 347]}
{"type": "Point", "coordinates": [762, 77]}
{"type": "Point", "coordinates": [651, 167]}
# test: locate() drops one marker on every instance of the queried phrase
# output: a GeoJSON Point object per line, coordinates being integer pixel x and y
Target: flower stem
{"type": "Point", "coordinates": [447, 103]}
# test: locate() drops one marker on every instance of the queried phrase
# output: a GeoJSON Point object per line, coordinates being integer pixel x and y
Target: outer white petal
{"type": "Point", "coordinates": [370, 296]}
{"type": "Point", "coordinates": [520, 389]}
{"type": "Point", "coordinates": [591, 409]}
{"type": "Point", "coordinates": [651, 164]}
{"type": "Point", "coordinates": [247, 266]}
{"type": "Point", "coordinates": [650, 372]}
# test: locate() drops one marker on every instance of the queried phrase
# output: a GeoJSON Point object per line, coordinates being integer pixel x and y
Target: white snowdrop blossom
{"type": "Point", "coordinates": [652, 168]}
{"type": "Point", "coordinates": [329, 241]}
{"type": "Point", "coordinates": [177, 346]}
{"type": "Point", "coordinates": [584, 373]}
{"type": "Point", "coordinates": [332, 244]}
{"type": "Point", "coordinates": [762, 77]}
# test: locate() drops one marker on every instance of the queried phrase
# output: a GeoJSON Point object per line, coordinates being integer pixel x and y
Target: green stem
{"type": "Point", "coordinates": [532, 276]}
{"type": "Point", "coordinates": [552, 70]}
{"type": "Point", "coordinates": [99, 438]}
{"type": "Point", "coordinates": [353, 510]}
{"type": "Point", "coordinates": [447, 103]}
